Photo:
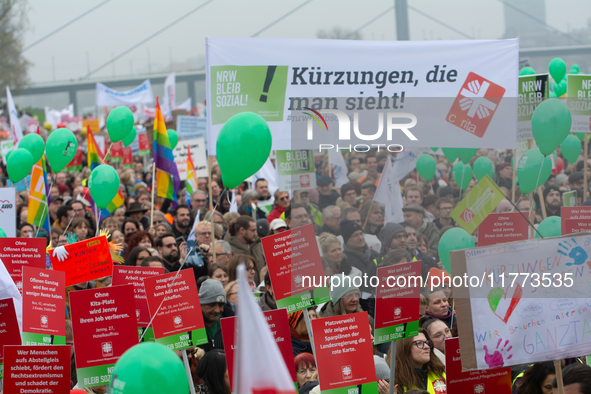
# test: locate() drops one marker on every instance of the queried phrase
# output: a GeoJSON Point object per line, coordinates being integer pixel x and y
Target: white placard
{"type": "Point", "coordinates": [197, 146]}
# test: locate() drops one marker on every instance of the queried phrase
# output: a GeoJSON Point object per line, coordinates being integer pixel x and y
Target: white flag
{"type": "Point", "coordinates": [254, 341]}
{"type": "Point", "coordinates": [8, 290]}
{"type": "Point", "coordinates": [388, 193]}
{"type": "Point", "coordinates": [54, 116]}
{"type": "Point", "coordinates": [407, 161]}
{"type": "Point", "coordinates": [233, 204]}
{"type": "Point", "coordinates": [339, 167]}
{"type": "Point", "coordinates": [185, 105]}
{"type": "Point", "coordinates": [268, 173]}
{"type": "Point", "coordinates": [192, 233]}
{"type": "Point", "coordinates": [16, 132]}
{"type": "Point", "coordinates": [169, 96]}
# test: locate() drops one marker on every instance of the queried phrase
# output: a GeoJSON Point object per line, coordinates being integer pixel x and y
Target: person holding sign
{"type": "Point", "coordinates": [417, 367]}
{"type": "Point", "coordinates": [213, 299]}
{"type": "Point", "coordinates": [344, 300]}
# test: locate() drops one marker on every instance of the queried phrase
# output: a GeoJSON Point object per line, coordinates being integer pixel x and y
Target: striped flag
{"type": "Point", "coordinates": [115, 203]}
{"type": "Point", "coordinates": [38, 201]}
{"type": "Point", "coordinates": [95, 156]}
{"type": "Point", "coordinates": [191, 181]}
{"type": "Point", "coordinates": [167, 174]}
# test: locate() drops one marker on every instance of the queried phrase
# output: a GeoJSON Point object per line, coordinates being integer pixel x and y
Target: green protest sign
{"type": "Point", "coordinates": [578, 95]}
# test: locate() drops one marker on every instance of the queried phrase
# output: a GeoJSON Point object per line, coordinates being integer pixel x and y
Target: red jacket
{"type": "Point", "coordinates": [275, 213]}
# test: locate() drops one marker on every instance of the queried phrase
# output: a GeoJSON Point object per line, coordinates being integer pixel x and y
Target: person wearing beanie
{"type": "Point", "coordinates": [553, 201]}
{"type": "Point", "coordinates": [344, 299]}
{"type": "Point", "coordinates": [349, 195]}
{"type": "Point", "coordinates": [355, 248]}
{"type": "Point", "coordinates": [212, 298]}
{"type": "Point", "coordinates": [300, 341]}
{"type": "Point", "coordinates": [392, 236]}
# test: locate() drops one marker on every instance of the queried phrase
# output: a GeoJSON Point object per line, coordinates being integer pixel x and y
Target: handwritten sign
{"type": "Point", "coordinates": [198, 155]}
{"type": "Point", "coordinates": [83, 261]}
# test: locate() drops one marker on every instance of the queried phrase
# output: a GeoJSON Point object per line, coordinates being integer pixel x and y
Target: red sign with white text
{"type": "Point", "coordinates": [497, 381]}
{"type": "Point", "coordinates": [17, 253]}
{"type": "Point", "coordinates": [294, 266]}
{"type": "Point", "coordinates": [397, 302]}
{"type": "Point", "coordinates": [117, 152]}
{"type": "Point", "coordinates": [83, 261]}
{"type": "Point", "coordinates": [44, 307]}
{"type": "Point", "coordinates": [9, 331]}
{"type": "Point", "coordinates": [175, 309]}
{"type": "Point", "coordinates": [575, 219]}
{"type": "Point", "coordinates": [277, 321]}
{"type": "Point", "coordinates": [37, 369]}
{"type": "Point", "coordinates": [124, 274]}
{"type": "Point", "coordinates": [344, 352]}
{"type": "Point", "coordinates": [143, 142]}
{"type": "Point", "coordinates": [104, 325]}
{"type": "Point", "coordinates": [127, 157]}
{"type": "Point", "coordinates": [499, 228]}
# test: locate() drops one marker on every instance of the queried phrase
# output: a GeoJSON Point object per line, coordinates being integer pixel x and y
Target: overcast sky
{"type": "Point", "coordinates": [119, 24]}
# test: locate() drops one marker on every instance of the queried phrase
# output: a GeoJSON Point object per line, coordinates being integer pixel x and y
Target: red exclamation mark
{"type": "Point", "coordinates": [268, 79]}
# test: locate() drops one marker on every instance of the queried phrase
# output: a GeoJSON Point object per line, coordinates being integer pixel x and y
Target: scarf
{"type": "Point", "coordinates": [295, 335]}
{"type": "Point", "coordinates": [364, 256]}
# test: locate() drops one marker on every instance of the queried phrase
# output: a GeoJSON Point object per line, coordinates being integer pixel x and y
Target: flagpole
{"type": "Point", "coordinates": [188, 371]}
{"type": "Point", "coordinates": [153, 202]}
{"type": "Point", "coordinates": [392, 364]}
{"type": "Point", "coordinates": [210, 160]}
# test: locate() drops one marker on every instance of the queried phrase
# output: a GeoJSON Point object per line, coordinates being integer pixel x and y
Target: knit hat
{"type": "Point", "coordinates": [138, 186]}
{"type": "Point", "coordinates": [338, 292]}
{"type": "Point", "coordinates": [212, 291]}
{"type": "Point", "coordinates": [503, 165]}
{"type": "Point", "coordinates": [324, 180]}
{"type": "Point", "coordinates": [387, 233]}
{"type": "Point", "coordinates": [382, 368]}
{"type": "Point", "coordinates": [262, 227]}
{"type": "Point", "coordinates": [346, 188]}
{"type": "Point", "coordinates": [294, 318]}
{"type": "Point", "coordinates": [550, 189]}
{"type": "Point", "coordinates": [348, 227]}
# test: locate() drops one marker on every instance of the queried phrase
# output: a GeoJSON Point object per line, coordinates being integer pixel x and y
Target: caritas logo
{"type": "Point", "coordinates": [467, 216]}
{"type": "Point", "coordinates": [475, 105]}
{"type": "Point", "coordinates": [305, 181]}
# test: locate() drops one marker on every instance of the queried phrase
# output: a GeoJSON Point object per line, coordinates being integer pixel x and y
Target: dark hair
{"type": "Point", "coordinates": [429, 200]}
{"type": "Point", "coordinates": [534, 376]}
{"type": "Point", "coordinates": [259, 180]}
{"type": "Point", "coordinates": [130, 220]}
{"type": "Point", "coordinates": [369, 185]}
{"type": "Point", "coordinates": [77, 222]}
{"type": "Point", "coordinates": [63, 211]}
{"type": "Point", "coordinates": [216, 266]}
{"type": "Point", "coordinates": [25, 224]}
{"type": "Point", "coordinates": [267, 279]}
{"type": "Point", "coordinates": [394, 256]}
{"type": "Point", "coordinates": [132, 257]}
{"type": "Point", "coordinates": [576, 373]}
{"type": "Point", "coordinates": [442, 200]}
{"type": "Point", "coordinates": [291, 207]}
{"type": "Point", "coordinates": [141, 193]}
{"type": "Point", "coordinates": [235, 261]}
{"type": "Point", "coordinates": [135, 239]}
{"type": "Point", "coordinates": [159, 243]}
{"type": "Point", "coordinates": [212, 368]}
{"type": "Point", "coordinates": [242, 222]}
{"type": "Point", "coordinates": [404, 367]}
{"type": "Point", "coordinates": [146, 262]}
{"type": "Point", "coordinates": [181, 206]}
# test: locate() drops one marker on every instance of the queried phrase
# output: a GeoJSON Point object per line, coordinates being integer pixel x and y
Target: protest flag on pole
{"type": "Point", "coordinates": [167, 174]}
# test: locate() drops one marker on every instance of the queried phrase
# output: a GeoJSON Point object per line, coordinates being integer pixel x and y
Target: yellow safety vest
{"type": "Point", "coordinates": [435, 384]}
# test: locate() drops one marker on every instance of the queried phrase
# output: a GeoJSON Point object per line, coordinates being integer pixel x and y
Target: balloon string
{"type": "Point", "coordinates": [107, 154]}
{"type": "Point", "coordinates": [517, 203]}
{"type": "Point", "coordinates": [45, 206]}
{"type": "Point", "coordinates": [181, 267]}
{"type": "Point", "coordinates": [68, 226]}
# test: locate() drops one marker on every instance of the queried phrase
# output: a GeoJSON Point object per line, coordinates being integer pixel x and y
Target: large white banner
{"type": "Point", "coordinates": [16, 132]}
{"type": "Point", "coordinates": [446, 93]}
{"type": "Point", "coordinates": [529, 301]}
{"type": "Point", "coordinates": [107, 97]}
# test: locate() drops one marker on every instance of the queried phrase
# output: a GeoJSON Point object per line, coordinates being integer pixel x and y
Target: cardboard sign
{"type": "Point", "coordinates": [344, 354]}
{"type": "Point", "coordinates": [575, 219]}
{"type": "Point", "coordinates": [295, 169]}
{"type": "Point", "coordinates": [104, 325]}
{"type": "Point", "coordinates": [578, 94]}
{"type": "Point", "coordinates": [475, 207]}
{"type": "Point", "coordinates": [524, 302]}
{"type": "Point", "coordinates": [34, 369]}
{"type": "Point", "coordinates": [124, 274]}
{"type": "Point", "coordinates": [9, 331]}
{"type": "Point", "coordinates": [198, 155]}
{"type": "Point", "coordinates": [496, 381]}
{"type": "Point", "coordinates": [397, 302]}
{"type": "Point", "coordinates": [83, 261]}
{"type": "Point", "coordinates": [277, 321]}
{"type": "Point", "coordinates": [499, 228]}
{"type": "Point", "coordinates": [44, 307]}
{"type": "Point", "coordinates": [295, 269]}
{"type": "Point", "coordinates": [178, 322]}
{"type": "Point", "coordinates": [8, 210]}
{"type": "Point", "coordinates": [17, 253]}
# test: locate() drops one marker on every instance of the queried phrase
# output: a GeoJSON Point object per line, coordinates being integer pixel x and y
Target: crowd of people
{"type": "Point", "coordinates": [352, 237]}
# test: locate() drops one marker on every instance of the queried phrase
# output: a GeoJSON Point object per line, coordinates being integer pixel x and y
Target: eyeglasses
{"type": "Point", "coordinates": [200, 201]}
{"type": "Point", "coordinates": [284, 198]}
{"type": "Point", "coordinates": [78, 210]}
{"type": "Point", "coordinates": [302, 217]}
{"type": "Point", "coordinates": [421, 344]}
{"type": "Point", "coordinates": [446, 208]}
{"type": "Point", "coordinates": [401, 236]}
{"type": "Point", "coordinates": [173, 245]}
{"type": "Point", "coordinates": [251, 268]}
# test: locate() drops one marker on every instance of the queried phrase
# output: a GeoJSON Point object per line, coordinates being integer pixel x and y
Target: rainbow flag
{"type": "Point", "coordinates": [95, 156]}
{"type": "Point", "coordinates": [167, 174]}
{"type": "Point", "coordinates": [115, 203]}
{"type": "Point", "coordinates": [38, 196]}
{"type": "Point", "coordinates": [191, 181]}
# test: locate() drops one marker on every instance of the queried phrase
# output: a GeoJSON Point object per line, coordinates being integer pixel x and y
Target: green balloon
{"type": "Point", "coordinates": [549, 227]}
{"type": "Point", "coordinates": [529, 173]}
{"type": "Point", "coordinates": [557, 69]}
{"type": "Point", "coordinates": [19, 165]}
{"type": "Point", "coordinates": [451, 153]}
{"type": "Point", "coordinates": [527, 71]}
{"type": "Point", "coordinates": [484, 166]}
{"type": "Point", "coordinates": [466, 154]}
{"type": "Point", "coordinates": [559, 89]}
{"type": "Point", "coordinates": [426, 166]}
{"type": "Point", "coordinates": [103, 184]}
{"type": "Point", "coordinates": [462, 175]}
{"type": "Point", "coordinates": [149, 368]}
{"type": "Point", "coordinates": [10, 153]}
{"type": "Point", "coordinates": [173, 138]}
{"type": "Point", "coordinates": [60, 149]}
{"type": "Point", "coordinates": [571, 148]}
{"type": "Point", "coordinates": [550, 125]}
{"type": "Point", "coordinates": [553, 94]}
{"type": "Point", "coordinates": [574, 69]}
{"type": "Point", "coordinates": [129, 138]}
{"type": "Point", "coordinates": [434, 149]}
{"type": "Point", "coordinates": [2, 233]}
{"type": "Point", "coordinates": [242, 147]}
{"type": "Point", "coordinates": [34, 144]}
{"type": "Point", "coordinates": [453, 239]}
{"type": "Point", "coordinates": [119, 123]}
{"type": "Point", "coordinates": [580, 136]}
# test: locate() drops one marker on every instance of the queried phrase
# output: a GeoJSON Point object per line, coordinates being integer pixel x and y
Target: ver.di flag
{"type": "Point", "coordinates": [339, 167]}
{"type": "Point", "coordinates": [254, 341]}
{"type": "Point", "coordinates": [388, 193]}
{"type": "Point", "coordinates": [16, 131]}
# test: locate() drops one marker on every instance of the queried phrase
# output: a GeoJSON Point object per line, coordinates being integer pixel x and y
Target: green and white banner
{"type": "Point", "coordinates": [578, 95]}
{"type": "Point", "coordinates": [295, 169]}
